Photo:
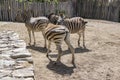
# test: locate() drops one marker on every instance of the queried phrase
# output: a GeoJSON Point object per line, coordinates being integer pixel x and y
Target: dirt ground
{"type": "Point", "coordinates": [100, 61]}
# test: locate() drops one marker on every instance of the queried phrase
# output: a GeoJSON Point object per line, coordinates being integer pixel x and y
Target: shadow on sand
{"type": "Point", "coordinates": [77, 50]}
{"type": "Point", "coordinates": [37, 48]}
{"type": "Point", "coordinates": [60, 68]}
{"type": "Point", "coordinates": [44, 50]}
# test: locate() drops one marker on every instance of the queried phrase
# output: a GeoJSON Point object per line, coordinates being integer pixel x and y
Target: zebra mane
{"type": "Point", "coordinates": [50, 15]}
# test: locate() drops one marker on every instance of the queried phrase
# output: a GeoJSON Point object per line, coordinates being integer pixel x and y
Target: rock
{"type": "Point", "coordinates": [11, 78]}
{"type": "Point", "coordinates": [4, 73]}
{"type": "Point", "coordinates": [4, 49]}
{"type": "Point", "coordinates": [14, 36]}
{"type": "Point", "coordinates": [3, 45]}
{"type": "Point", "coordinates": [7, 52]}
{"type": "Point", "coordinates": [19, 44]}
{"type": "Point", "coordinates": [29, 59]}
{"type": "Point", "coordinates": [23, 64]}
{"type": "Point", "coordinates": [5, 56]}
{"type": "Point", "coordinates": [7, 63]}
{"type": "Point", "coordinates": [23, 73]}
{"type": "Point", "coordinates": [1, 42]}
{"type": "Point", "coordinates": [19, 66]}
{"type": "Point", "coordinates": [18, 50]}
{"type": "Point", "coordinates": [28, 79]}
{"type": "Point", "coordinates": [20, 55]}
{"type": "Point", "coordinates": [15, 60]}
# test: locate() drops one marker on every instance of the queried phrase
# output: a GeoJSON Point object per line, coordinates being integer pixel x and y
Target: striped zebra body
{"type": "Point", "coordinates": [32, 24]}
{"type": "Point", "coordinates": [76, 25]}
{"type": "Point", "coordinates": [56, 34]}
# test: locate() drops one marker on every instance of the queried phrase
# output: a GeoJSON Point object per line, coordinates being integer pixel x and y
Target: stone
{"type": "Point", "coordinates": [4, 49]}
{"type": "Point", "coordinates": [18, 50]}
{"type": "Point", "coordinates": [15, 60]}
{"type": "Point", "coordinates": [19, 44]}
{"type": "Point", "coordinates": [7, 52]}
{"type": "Point", "coordinates": [23, 64]}
{"type": "Point", "coordinates": [1, 42]}
{"type": "Point", "coordinates": [29, 59]}
{"type": "Point", "coordinates": [3, 45]}
{"type": "Point", "coordinates": [20, 55]}
{"type": "Point", "coordinates": [23, 73]}
{"type": "Point", "coordinates": [7, 63]}
{"type": "Point", "coordinates": [11, 78]}
{"type": "Point", "coordinates": [4, 73]}
{"type": "Point", "coordinates": [28, 79]}
{"type": "Point", "coordinates": [14, 36]}
{"type": "Point", "coordinates": [5, 56]}
{"type": "Point", "coordinates": [19, 66]}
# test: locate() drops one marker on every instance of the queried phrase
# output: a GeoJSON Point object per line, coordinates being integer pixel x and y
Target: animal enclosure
{"type": "Point", "coordinates": [93, 9]}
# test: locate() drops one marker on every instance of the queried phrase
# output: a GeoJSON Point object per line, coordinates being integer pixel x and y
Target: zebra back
{"type": "Point", "coordinates": [55, 33]}
{"type": "Point", "coordinates": [23, 16]}
{"type": "Point", "coordinates": [74, 24]}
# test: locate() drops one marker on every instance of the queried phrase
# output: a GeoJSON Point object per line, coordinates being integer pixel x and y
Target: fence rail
{"type": "Point", "coordinates": [95, 9]}
{"type": "Point", "coordinates": [9, 8]}
{"type": "Point", "coordinates": [99, 9]}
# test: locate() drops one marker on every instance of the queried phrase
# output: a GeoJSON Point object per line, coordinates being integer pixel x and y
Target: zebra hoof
{"type": "Point", "coordinates": [47, 56]}
{"type": "Point", "coordinates": [34, 44]}
{"type": "Point", "coordinates": [29, 44]}
{"type": "Point", "coordinates": [84, 47]}
{"type": "Point", "coordinates": [45, 47]}
{"type": "Point", "coordinates": [73, 63]}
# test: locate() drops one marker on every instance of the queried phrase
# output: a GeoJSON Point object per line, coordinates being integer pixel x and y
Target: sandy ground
{"type": "Point", "coordinates": [100, 61]}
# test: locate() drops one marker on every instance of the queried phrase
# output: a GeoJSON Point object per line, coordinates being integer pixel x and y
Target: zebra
{"type": "Point", "coordinates": [56, 34]}
{"type": "Point", "coordinates": [53, 18]}
{"type": "Point", "coordinates": [32, 24]}
{"type": "Point", "coordinates": [75, 25]}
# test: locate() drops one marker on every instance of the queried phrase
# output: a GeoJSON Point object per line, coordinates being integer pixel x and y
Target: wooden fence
{"type": "Point", "coordinates": [10, 8]}
{"type": "Point", "coordinates": [95, 9]}
{"type": "Point", "coordinates": [99, 9]}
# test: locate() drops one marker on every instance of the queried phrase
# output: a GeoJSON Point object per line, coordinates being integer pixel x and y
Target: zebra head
{"type": "Point", "coordinates": [55, 19]}
{"type": "Point", "coordinates": [61, 18]}
{"type": "Point", "coordinates": [84, 23]}
{"type": "Point", "coordinates": [23, 16]}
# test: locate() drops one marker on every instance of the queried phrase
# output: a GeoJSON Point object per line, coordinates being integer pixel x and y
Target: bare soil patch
{"type": "Point", "coordinates": [100, 61]}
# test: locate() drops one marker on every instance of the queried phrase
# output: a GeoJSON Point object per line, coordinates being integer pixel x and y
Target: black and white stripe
{"type": "Point", "coordinates": [32, 24]}
{"type": "Point", "coordinates": [53, 18]}
{"type": "Point", "coordinates": [75, 25]}
{"type": "Point", "coordinates": [57, 34]}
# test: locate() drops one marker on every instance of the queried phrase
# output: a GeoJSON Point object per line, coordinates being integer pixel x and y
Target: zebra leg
{"type": "Point", "coordinates": [84, 40]}
{"type": "Point", "coordinates": [59, 53]}
{"type": "Point", "coordinates": [34, 37]}
{"type": "Point", "coordinates": [79, 39]}
{"type": "Point", "coordinates": [48, 51]}
{"type": "Point", "coordinates": [67, 41]}
{"type": "Point", "coordinates": [29, 33]}
{"type": "Point", "coordinates": [44, 40]}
